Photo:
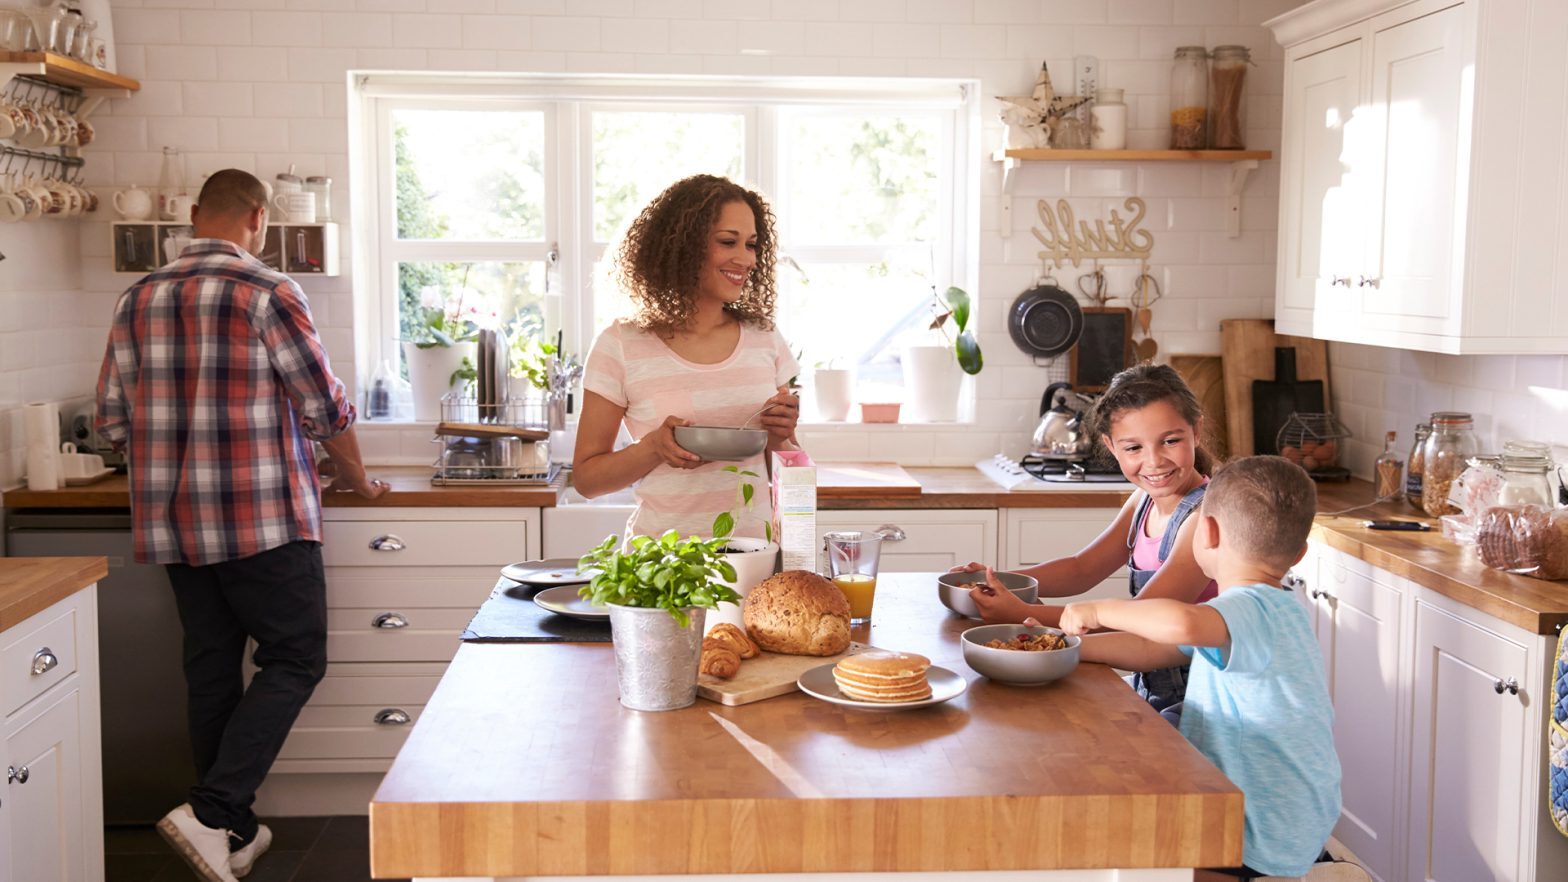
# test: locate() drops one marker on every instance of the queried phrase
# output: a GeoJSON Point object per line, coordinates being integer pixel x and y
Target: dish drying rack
{"type": "Point", "coordinates": [490, 456]}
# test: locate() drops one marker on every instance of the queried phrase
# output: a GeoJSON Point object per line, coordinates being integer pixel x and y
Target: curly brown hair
{"type": "Point", "coordinates": [659, 260]}
{"type": "Point", "coordinates": [1138, 387]}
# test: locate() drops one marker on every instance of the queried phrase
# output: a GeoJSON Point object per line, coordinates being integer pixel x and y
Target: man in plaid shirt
{"type": "Point", "coordinates": [215, 382]}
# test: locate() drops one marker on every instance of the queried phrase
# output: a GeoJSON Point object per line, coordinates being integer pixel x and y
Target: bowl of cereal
{"type": "Point", "coordinates": [1020, 654]}
{"type": "Point", "coordinates": [953, 589]}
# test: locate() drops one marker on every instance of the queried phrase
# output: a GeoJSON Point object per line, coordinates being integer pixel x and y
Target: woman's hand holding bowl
{"type": "Point", "coordinates": [662, 442]}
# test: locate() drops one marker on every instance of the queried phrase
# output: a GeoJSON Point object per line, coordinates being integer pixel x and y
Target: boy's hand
{"type": "Point", "coordinates": [995, 602]}
{"type": "Point", "coordinates": [1081, 618]}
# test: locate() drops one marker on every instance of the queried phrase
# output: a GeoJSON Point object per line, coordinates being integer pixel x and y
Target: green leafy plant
{"type": "Point", "coordinates": [745, 493]}
{"type": "Point", "coordinates": [465, 372]}
{"type": "Point", "coordinates": [441, 320]}
{"type": "Point", "coordinates": [668, 573]}
{"type": "Point", "coordinates": [531, 359]}
{"type": "Point", "coordinates": [956, 307]}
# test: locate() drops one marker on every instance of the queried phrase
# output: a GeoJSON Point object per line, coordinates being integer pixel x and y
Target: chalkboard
{"type": "Point", "coordinates": [1104, 348]}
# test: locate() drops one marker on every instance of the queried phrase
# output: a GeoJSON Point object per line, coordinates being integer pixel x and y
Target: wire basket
{"type": "Point", "coordinates": [522, 413]}
{"type": "Point", "coordinates": [1312, 441]}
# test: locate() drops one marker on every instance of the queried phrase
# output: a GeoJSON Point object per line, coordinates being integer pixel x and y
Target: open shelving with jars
{"type": "Point", "coordinates": [58, 70]}
{"type": "Point", "coordinates": [1242, 163]}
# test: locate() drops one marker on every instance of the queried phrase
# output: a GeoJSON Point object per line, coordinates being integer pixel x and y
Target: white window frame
{"type": "Point", "coordinates": [568, 103]}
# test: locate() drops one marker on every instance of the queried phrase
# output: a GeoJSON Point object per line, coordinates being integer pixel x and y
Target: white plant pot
{"type": "Point", "coordinates": [833, 390]}
{"type": "Point", "coordinates": [430, 374]}
{"type": "Point", "coordinates": [753, 564]}
{"type": "Point", "coordinates": [932, 383]}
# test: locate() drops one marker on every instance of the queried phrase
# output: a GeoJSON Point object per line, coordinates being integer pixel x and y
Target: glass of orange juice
{"type": "Point", "coordinates": [852, 563]}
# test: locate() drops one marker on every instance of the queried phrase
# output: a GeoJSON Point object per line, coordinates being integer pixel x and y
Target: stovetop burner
{"type": "Point", "coordinates": [1041, 466]}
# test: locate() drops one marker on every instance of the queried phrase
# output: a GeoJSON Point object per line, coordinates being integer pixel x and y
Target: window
{"type": "Point", "coordinates": [503, 200]}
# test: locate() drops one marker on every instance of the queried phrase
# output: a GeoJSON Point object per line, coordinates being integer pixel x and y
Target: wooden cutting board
{"type": "Point", "coordinates": [767, 676]}
{"type": "Point", "coordinates": [1206, 377]}
{"type": "Point", "coordinates": [1249, 355]}
{"type": "Point", "coordinates": [839, 479]}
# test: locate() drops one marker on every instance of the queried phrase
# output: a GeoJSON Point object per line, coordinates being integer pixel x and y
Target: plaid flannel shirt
{"type": "Point", "coordinates": [214, 377]}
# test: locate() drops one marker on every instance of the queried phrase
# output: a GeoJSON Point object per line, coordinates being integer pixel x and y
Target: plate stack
{"type": "Point", "coordinates": [494, 377]}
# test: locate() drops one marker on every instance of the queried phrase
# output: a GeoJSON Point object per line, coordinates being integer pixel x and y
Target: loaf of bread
{"type": "Point", "coordinates": [1524, 539]}
{"type": "Point", "coordinates": [732, 638]}
{"type": "Point", "coordinates": [798, 613]}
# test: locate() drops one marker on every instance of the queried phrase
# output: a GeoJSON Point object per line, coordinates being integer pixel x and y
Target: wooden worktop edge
{"type": "Point", "coordinates": [30, 585]}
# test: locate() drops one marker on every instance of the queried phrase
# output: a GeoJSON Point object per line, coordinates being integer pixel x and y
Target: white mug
{"type": "Point", "coordinates": [298, 208]}
{"type": "Point", "coordinates": [133, 204]}
{"type": "Point", "coordinates": [180, 208]}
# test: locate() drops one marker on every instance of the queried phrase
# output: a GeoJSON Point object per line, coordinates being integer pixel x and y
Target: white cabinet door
{"type": "Point", "coordinates": [935, 539]}
{"type": "Point", "coordinates": [1035, 535]}
{"type": "Point", "coordinates": [1359, 630]}
{"type": "Point", "coordinates": [44, 800]}
{"type": "Point", "coordinates": [1320, 238]}
{"type": "Point", "coordinates": [1467, 744]}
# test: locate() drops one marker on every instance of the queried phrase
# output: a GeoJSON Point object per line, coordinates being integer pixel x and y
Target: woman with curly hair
{"type": "Point", "coordinates": [700, 349]}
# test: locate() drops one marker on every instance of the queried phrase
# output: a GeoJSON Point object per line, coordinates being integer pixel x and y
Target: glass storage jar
{"type": "Point", "coordinates": [1415, 465]}
{"type": "Point", "coordinates": [1450, 445]}
{"type": "Point", "coordinates": [322, 187]}
{"type": "Point", "coordinates": [1527, 469]}
{"type": "Point", "coordinates": [1189, 98]}
{"type": "Point", "coordinates": [1227, 105]}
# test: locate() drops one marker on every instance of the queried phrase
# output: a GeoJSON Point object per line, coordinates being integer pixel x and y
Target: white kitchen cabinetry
{"type": "Point", "coordinates": [51, 807]}
{"type": "Point", "coordinates": [1420, 188]}
{"type": "Point", "coordinates": [935, 540]}
{"type": "Point", "coordinates": [1034, 535]}
{"type": "Point", "coordinates": [402, 583]}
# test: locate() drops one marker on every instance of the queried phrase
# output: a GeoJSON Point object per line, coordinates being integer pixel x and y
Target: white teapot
{"type": "Point", "coordinates": [133, 204]}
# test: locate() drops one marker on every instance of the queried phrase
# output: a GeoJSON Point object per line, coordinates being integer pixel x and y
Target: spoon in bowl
{"type": "Point", "coordinates": [760, 411]}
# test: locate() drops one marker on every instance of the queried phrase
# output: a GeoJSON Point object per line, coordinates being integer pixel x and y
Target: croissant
{"type": "Point", "coordinates": [719, 662]}
{"type": "Point", "coordinates": [734, 639]}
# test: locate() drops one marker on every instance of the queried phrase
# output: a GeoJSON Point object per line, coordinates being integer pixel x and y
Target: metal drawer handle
{"type": "Point", "coordinates": [1368, 281]}
{"type": "Point", "coordinates": [387, 542]}
{"type": "Point", "coordinates": [1319, 594]}
{"type": "Point", "coordinates": [891, 533]}
{"type": "Point", "coordinates": [1511, 685]}
{"type": "Point", "coordinates": [392, 716]}
{"type": "Point", "coordinates": [14, 775]}
{"type": "Point", "coordinates": [44, 662]}
{"type": "Point", "coordinates": [1341, 280]}
{"type": "Point", "coordinates": [390, 620]}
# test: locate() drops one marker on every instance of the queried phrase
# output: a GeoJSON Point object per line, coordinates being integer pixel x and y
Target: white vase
{"type": "Point", "coordinates": [932, 382]}
{"type": "Point", "coordinates": [753, 560]}
{"type": "Point", "coordinates": [430, 374]}
{"type": "Point", "coordinates": [833, 388]}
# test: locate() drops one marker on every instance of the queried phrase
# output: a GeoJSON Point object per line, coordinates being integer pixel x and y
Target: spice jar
{"type": "Point", "coordinates": [1416, 464]}
{"type": "Point", "coordinates": [1389, 471]}
{"type": "Point", "coordinates": [1189, 98]}
{"type": "Point", "coordinates": [322, 187]}
{"type": "Point", "coordinates": [1110, 120]}
{"type": "Point", "coordinates": [1450, 445]}
{"type": "Point", "coordinates": [1527, 467]}
{"type": "Point", "coordinates": [1227, 76]}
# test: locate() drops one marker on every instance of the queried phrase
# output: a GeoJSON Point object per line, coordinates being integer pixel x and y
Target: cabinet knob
{"type": "Point", "coordinates": [891, 533]}
{"type": "Point", "coordinates": [1340, 280]}
{"type": "Point", "coordinates": [390, 621]}
{"type": "Point", "coordinates": [392, 716]}
{"type": "Point", "coordinates": [1367, 282]}
{"type": "Point", "coordinates": [387, 542]}
{"type": "Point", "coordinates": [15, 775]}
{"type": "Point", "coordinates": [1319, 594]}
{"type": "Point", "coordinates": [1511, 686]}
{"type": "Point", "coordinates": [44, 661]}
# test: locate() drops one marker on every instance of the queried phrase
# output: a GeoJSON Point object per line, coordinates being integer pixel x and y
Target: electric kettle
{"type": "Point", "coordinates": [1062, 433]}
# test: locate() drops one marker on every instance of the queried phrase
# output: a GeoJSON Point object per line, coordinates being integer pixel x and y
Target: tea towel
{"type": "Point", "coordinates": [1557, 729]}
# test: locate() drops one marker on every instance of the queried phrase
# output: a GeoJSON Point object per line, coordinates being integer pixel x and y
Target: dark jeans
{"type": "Point", "coordinates": [279, 599]}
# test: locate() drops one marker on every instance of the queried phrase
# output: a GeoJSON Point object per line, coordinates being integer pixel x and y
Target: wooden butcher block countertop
{"type": "Point", "coordinates": [29, 585]}
{"type": "Point", "coordinates": [524, 763]}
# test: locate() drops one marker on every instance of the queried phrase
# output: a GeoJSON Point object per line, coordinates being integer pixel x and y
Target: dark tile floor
{"type": "Point", "coordinates": [335, 849]}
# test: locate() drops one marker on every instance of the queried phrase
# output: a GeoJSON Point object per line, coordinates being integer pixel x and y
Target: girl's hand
{"type": "Point", "coordinates": [1080, 618]}
{"type": "Point", "coordinates": [996, 603]}
{"type": "Point", "coordinates": [661, 442]}
{"type": "Point", "coordinates": [780, 418]}
{"type": "Point", "coordinates": [971, 567]}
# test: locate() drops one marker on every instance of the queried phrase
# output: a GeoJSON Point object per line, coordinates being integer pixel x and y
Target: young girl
{"type": "Point", "coordinates": [700, 349]}
{"type": "Point", "coordinates": [1150, 421]}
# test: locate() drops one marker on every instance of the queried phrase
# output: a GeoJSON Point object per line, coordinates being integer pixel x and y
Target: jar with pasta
{"type": "Point", "coordinates": [1227, 107]}
{"type": "Point", "coordinates": [1447, 451]}
{"type": "Point", "coordinates": [1189, 98]}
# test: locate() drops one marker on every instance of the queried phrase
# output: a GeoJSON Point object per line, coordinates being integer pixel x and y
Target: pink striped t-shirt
{"type": "Point", "coordinates": [636, 370]}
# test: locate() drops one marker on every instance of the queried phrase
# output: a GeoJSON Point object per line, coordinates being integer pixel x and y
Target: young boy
{"type": "Point", "coordinates": [1257, 705]}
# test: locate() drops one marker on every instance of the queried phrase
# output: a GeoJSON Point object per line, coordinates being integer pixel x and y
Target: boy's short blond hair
{"type": "Point", "coordinates": [1265, 506]}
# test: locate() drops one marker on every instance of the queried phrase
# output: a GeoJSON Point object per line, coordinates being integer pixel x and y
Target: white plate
{"type": "Point", "coordinates": [556, 571]}
{"type": "Point", "coordinates": [563, 600]}
{"type": "Point", "coordinates": [819, 683]}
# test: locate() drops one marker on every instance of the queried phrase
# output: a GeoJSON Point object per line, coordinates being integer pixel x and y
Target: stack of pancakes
{"type": "Point", "coordinates": [883, 676]}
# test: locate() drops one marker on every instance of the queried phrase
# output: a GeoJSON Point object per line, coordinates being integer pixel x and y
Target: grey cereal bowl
{"type": "Point", "coordinates": [953, 590]}
{"type": "Point", "coordinates": [717, 443]}
{"type": "Point", "coordinates": [1016, 666]}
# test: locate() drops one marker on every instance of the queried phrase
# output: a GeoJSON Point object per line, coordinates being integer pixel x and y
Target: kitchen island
{"type": "Point", "coordinates": [524, 765]}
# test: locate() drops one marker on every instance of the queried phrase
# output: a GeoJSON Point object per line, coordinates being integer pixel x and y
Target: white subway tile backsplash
{"type": "Point", "coordinates": [248, 64]}
{"type": "Point", "coordinates": [215, 27]}
{"type": "Point", "coordinates": [186, 133]}
{"type": "Point", "coordinates": [698, 37]}
{"type": "Point", "coordinates": [543, 62]}
{"type": "Point", "coordinates": [605, 8]}
{"type": "Point", "coordinates": [291, 28]}
{"type": "Point", "coordinates": [288, 100]}
{"type": "Point", "coordinates": [181, 63]}
{"type": "Point", "coordinates": [1104, 42]}
{"type": "Point", "coordinates": [972, 41]}
{"type": "Point", "coordinates": [319, 65]}
{"type": "Point", "coordinates": [906, 39]}
{"type": "Point", "coordinates": [648, 9]}
{"type": "Point", "coordinates": [396, 5]}
{"type": "Point", "coordinates": [1209, 12]}
{"type": "Point", "coordinates": [653, 37]}
{"type": "Point", "coordinates": [156, 98]}
{"type": "Point", "coordinates": [718, 9]}
{"type": "Point", "coordinates": [844, 39]}
{"type": "Point", "coordinates": [510, 32]}
{"type": "Point", "coordinates": [941, 11]}
{"type": "Point", "coordinates": [569, 34]}
{"type": "Point", "coordinates": [380, 59]}
{"type": "Point", "coordinates": [1032, 44]}
{"type": "Point", "coordinates": [1140, 12]}
{"type": "Point", "coordinates": [355, 29]}
{"type": "Point", "coordinates": [462, 59]}
{"type": "Point", "coordinates": [231, 100]}
{"type": "Point", "coordinates": [114, 134]}
{"type": "Point", "coordinates": [256, 133]}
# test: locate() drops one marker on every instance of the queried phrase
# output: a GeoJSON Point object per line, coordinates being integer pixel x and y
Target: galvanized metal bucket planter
{"type": "Point", "coordinates": [655, 658]}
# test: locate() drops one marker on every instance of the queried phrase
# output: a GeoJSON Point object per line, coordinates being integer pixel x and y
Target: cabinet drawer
{"type": "Point", "coordinates": [329, 733]}
{"type": "Point", "coordinates": [423, 543]}
{"type": "Point", "coordinates": [423, 635]}
{"type": "Point", "coordinates": [37, 654]}
{"type": "Point", "coordinates": [400, 587]}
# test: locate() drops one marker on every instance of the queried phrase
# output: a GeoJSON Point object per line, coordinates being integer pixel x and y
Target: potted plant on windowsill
{"type": "Point", "coordinates": [440, 354]}
{"type": "Point", "coordinates": [658, 591]}
{"type": "Point", "coordinates": [934, 374]}
{"type": "Point", "coordinates": [752, 559]}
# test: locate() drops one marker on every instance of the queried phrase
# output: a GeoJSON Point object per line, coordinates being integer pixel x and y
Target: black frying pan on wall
{"type": "Point", "coordinates": [1045, 321]}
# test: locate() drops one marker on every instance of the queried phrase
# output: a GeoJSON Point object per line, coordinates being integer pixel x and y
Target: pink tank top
{"type": "Point", "coordinates": [1146, 555]}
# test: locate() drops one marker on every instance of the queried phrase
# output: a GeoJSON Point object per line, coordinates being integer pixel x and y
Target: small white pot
{"type": "Point", "coordinates": [932, 383]}
{"type": "Point", "coordinates": [430, 374]}
{"type": "Point", "coordinates": [757, 561]}
{"type": "Point", "coordinates": [833, 390]}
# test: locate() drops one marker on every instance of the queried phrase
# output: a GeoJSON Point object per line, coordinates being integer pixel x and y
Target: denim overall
{"type": "Point", "coordinates": [1164, 689]}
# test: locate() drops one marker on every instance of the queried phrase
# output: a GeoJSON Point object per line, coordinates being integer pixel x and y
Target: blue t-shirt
{"type": "Point", "coordinates": [1261, 713]}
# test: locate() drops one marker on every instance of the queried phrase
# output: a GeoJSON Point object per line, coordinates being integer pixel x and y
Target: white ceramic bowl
{"type": "Point", "coordinates": [953, 590]}
{"type": "Point", "coordinates": [716, 443]}
{"type": "Point", "coordinates": [1016, 666]}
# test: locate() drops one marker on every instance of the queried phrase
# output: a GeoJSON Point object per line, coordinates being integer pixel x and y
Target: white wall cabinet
{"type": "Point", "coordinates": [1419, 196]}
{"type": "Point", "coordinates": [1035, 535]}
{"type": "Point", "coordinates": [935, 539]}
{"type": "Point", "coordinates": [51, 806]}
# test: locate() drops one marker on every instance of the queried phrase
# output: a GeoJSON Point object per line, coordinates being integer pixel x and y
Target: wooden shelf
{"type": "Point", "coordinates": [1033, 154]}
{"type": "Point", "coordinates": [63, 71]}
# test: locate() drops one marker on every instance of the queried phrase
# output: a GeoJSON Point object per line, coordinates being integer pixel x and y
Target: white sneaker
{"type": "Point", "coordinates": [205, 848]}
{"type": "Point", "coordinates": [241, 861]}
